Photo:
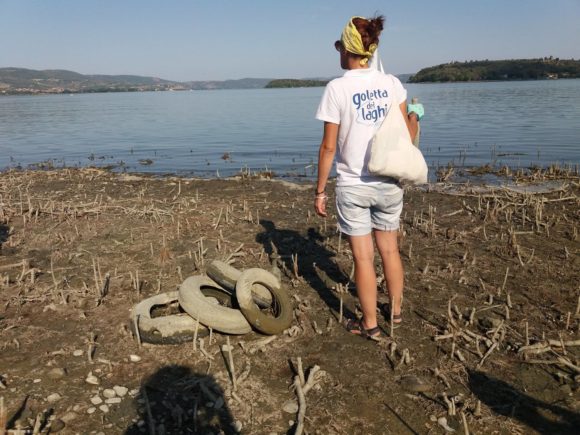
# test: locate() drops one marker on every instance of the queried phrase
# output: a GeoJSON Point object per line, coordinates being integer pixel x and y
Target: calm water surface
{"type": "Point", "coordinates": [514, 123]}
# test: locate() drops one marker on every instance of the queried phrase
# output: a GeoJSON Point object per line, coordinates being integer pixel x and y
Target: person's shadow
{"type": "Point", "coordinates": [316, 263]}
{"type": "Point", "coordinates": [506, 400]}
{"type": "Point", "coordinates": [3, 234]}
{"type": "Point", "coordinates": [175, 400]}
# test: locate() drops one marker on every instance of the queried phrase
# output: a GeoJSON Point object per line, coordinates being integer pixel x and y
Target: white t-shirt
{"type": "Point", "coordinates": [359, 101]}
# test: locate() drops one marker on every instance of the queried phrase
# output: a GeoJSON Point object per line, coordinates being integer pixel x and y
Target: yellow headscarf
{"type": "Point", "coordinates": [352, 42]}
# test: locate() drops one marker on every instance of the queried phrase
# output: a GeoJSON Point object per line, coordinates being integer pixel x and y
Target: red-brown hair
{"type": "Point", "coordinates": [369, 29]}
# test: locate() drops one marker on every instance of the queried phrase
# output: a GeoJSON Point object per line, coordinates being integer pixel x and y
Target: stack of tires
{"type": "Point", "coordinates": [226, 300]}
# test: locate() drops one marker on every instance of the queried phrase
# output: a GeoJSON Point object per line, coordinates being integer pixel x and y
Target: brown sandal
{"type": "Point", "coordinates": [355, 327]}
{"type": "Point", "coordinates": [386, 310]}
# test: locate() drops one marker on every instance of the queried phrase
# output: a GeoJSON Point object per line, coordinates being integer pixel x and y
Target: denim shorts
{"type": "Point", "coordinates": [362, 208]}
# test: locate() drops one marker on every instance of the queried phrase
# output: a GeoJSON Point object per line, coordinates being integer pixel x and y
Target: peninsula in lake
{"type": "Point", "coordinates": [512, 69]}
{"type": "Point", "coordinates": [294, 83]}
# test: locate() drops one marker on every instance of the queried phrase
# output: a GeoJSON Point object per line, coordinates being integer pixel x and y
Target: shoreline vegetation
{"type": "Point", "coordinates": [489, 341]}
{"type": "Point", "coordinates": [295, 83]}
{"type": "Point", "coordinates": [499, 70]}
{"type": "Point", "coordinates": [491, 172]}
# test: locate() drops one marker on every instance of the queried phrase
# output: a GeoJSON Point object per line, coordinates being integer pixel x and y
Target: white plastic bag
{"type": "Point", "coordinates": [392, 152]}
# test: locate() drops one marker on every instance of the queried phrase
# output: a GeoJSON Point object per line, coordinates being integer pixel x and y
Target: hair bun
{"type": "Point", "coordinates": [369, 29]}
{"type": "Point", "coordinates": [376, 24]}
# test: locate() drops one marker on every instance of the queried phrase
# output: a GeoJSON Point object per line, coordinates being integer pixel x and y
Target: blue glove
{"type": "Point", "coordinates": [418, 109]}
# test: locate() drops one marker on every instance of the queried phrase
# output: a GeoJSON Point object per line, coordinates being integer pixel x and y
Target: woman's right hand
{"type": "Point", "coordinates": [320, 204]}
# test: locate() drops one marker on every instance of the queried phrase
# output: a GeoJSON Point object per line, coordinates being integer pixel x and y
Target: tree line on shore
{"type": "Point", "coordinates": [294, 83]}
{"type": "Point", "coordinates": [511, 69]}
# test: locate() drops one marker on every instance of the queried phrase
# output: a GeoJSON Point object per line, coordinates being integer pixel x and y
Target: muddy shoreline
{"type": "Point", "coordinates": [489, 339]}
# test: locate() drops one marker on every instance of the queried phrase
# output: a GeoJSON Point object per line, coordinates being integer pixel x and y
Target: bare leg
{"type": "Point", "coordinates": [365, 277]}
{"type": "Point", "coordinates": [392, 265]}
{"type": "Point", "coordinates": [413, 126]}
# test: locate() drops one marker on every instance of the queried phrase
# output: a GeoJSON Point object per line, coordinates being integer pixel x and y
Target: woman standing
{"type": "Point", "coordinates": [352, 108]}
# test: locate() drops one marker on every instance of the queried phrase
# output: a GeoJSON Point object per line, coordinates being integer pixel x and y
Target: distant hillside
{"type": "Point", "coordinates": [27, 81]}
{"type": "Point", "coordinates": [294, 83]}
{"type": "Point", "coordinates": [514, 69]}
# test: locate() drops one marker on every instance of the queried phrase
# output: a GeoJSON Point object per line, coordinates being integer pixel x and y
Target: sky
{"type": "Point", "coordinates": [231, 39]}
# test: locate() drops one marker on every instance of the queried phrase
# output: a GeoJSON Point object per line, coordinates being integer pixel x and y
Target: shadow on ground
{"type": "Point", "coordinates": [3, 234]}
{"type": "Point", "coordinates": [175, 400]}
{"type": "Point", "coordinates": [506, 400]}
{"type": "Point", "coordinates": [316, 263]}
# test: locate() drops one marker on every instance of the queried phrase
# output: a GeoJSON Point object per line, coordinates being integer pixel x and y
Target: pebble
{"type": "Point", "coordinates": [78, 352]}
{"type": "Point", "coordinates": [120, 390]}
{"type": "Point", "coordinates": [237, 425]}
{"type": "Point", "coordinates": [104, 408]}
{"type": "Point", "coordinates": [219, 403]}
{"type": "Point", "coordinates": [57, 425]}
{"type": "Point", "coordinates": [414, 384]}
{"type": "Point", "coordinates": [56, 373]}
{"type": "Point", "coordinates": [92, 379]}
{"type": "Point", "coordinates": [91, 410]}
{"type": "Point", "coordinates": [36, 381]}
{"type": "Point", "coordinates": [113, 400]}
{"type": "Point", "coordinates": [291, 407]}
{"type": "Point", "coordinates": [54, 397]}
{"type": "Point", "coordinates": [69, 416]}
{"type": "Point", "coordinates": [134, 358]}
{"type": "Point", "coordinates": [109, 393]}
{"type": "Point", "coordinates": [96, 400]}
{"type": "Point", "coordinates": [134, 392]}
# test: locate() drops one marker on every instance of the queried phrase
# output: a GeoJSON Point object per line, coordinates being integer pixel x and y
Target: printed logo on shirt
{"type": "Point", "coordinates": [371, 106]}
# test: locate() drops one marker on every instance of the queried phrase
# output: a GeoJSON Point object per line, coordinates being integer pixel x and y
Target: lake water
{"type": "Point", "coordinates": [467, 124]}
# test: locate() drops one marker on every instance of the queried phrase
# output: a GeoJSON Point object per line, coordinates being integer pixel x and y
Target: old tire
{"type": "Point", "coordinates": [172, 329]}
{"type": "Point", "coordinates": [282, 305]}
{"type": "Point", "coordinates": [217, 317]}
{"type": "Point", "coordinates": [227, 276]}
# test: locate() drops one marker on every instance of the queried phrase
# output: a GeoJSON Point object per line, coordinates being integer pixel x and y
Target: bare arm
{"type": "Point", "coordinates": [325, 159]}
{"type": "Point", "coordinates": [411, 121]}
